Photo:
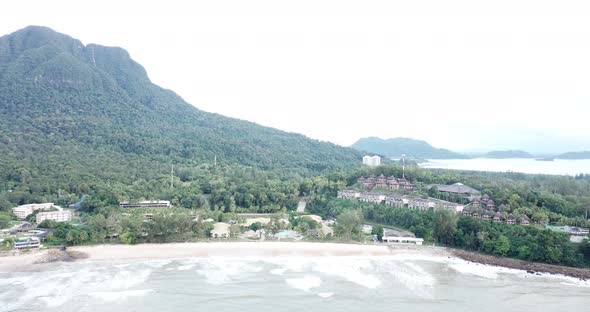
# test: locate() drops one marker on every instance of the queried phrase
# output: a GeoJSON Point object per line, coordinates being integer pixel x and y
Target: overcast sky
{"type": "Point", "coordinates": [459, 74]}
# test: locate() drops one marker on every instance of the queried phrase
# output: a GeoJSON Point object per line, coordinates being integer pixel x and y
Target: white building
{"type": "Point", "coordinates": [57, 216]}
{"type": "Point", "coordinates": [30, 243]}
{"type": "Point", "coordinates": [372, 161]}
{"type": "Point", "coordinates": [405, 240]}
{"type": "Point", "coordinates": [349, 194]}
{"type": "Point", "coordinates": [147, 204]}
{"type": "Point", "coordinates": [23, 211]}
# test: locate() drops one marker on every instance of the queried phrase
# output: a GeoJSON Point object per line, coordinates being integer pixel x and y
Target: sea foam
{"type": "Point", "coordinates": [305, 283]}
{"type": "Point", "coordinates": [119, 295]}
{"type": "Point", "coordinates": [350, 270]}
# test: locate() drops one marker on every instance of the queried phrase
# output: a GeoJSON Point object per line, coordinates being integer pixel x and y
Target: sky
{"type": "Point", "coordinates": [463, 75]}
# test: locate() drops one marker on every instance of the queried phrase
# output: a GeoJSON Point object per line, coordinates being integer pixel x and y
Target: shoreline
{"type": "Point", "coordinates": [32, 261]}
{"type": "Point", "coordinates": [529, 267]}
{"type": "Point", "coordinates": [117, 252]}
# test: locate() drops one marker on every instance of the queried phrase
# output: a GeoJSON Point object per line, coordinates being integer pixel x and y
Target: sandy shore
{"type": "Point", "coordinates": [232, 249]}
{"type": "Point", "coordinates": [215, 249]}
{"type": "Point", "coordinates": [23, 260]}
{"type": "Point", "coordinates": [269, 249]}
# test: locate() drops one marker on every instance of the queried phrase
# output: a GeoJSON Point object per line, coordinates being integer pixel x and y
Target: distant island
{"type": "Point", "coordinates": [421, 150]}
{"type": "Point", "coordinates": [508, 154]}
{"type": "Point", "coordinates": [575, 155]}
{"type": "Point", "coordinates": [395, 147]}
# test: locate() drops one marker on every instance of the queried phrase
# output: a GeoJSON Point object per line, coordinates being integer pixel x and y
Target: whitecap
{"type": "Point", "coordinates": [118, 295]}
{"type": "Point", "coordinates": [326, 294]}
{"type": "Point", "coordinates": [414, 278]}
{"type": "Point", "coordinates": [305, 283]}
{"type": "Point", "coordinates": [220, 270]}
{"type": "Point", "coordinates": [351, 271]}
{"type": "Point", "coordinates": [54, 301]}
{"type": "Point", "coordinates": [278, 271]}
{"type": "Point", "coordinates": [126, 279]}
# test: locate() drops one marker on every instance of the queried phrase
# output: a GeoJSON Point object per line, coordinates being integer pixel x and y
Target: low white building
{"type": "Point", "coordinates": [397, 236]}
{"type": "Point", "coordinates": [23, 211]}
{"type": "Point", "coordinates": [349, 194]}
{"type": "Point", "coordinates": [406, 240]}
{"type": "Point", "coordinates": [30, 243]}
{"type": "Point", "coordinates": [57, 216]}
{"type": "Point", "coordinates": [147, 204]}
{"type": "Point", "coordinates": [372, 161]}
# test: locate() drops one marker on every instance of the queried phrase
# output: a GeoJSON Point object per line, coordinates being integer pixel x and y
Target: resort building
{"type": "Point", "coordinates": [419, 203]}
{"type": "Point", "coordinates": [372, 161]}
{"type": "Point", "coordinates": [30, 243]}
{"type": "Point", "coordinates": [498, 217]}
{"type": "Point", "coordinates": [524, 220]}
{"type": "Point", "coordinates": [147, 204]}
{"type": "Point", "coordinates": [371, 198]}
{"type": "Point", "coordinates": [22, 212]}
{"type": "Point", "coordinates": [511, 219]}
{"type": "Point", "coordinates": [390, 183]}
{"type": "Point", "coordinates": [568, 229]}
{"type": "Point", "coordinates": [395, 236]}
{"type": "Point", "coordinates": [401, 201]}
{"type": "Point", "coordinates": [457, 189]}
{"type": "Point", "coordinates": [348, 194]}
{"type": "Point", "coordinates": [57, 216]}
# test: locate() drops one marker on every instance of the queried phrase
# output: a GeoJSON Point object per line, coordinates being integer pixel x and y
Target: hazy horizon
{"type": "Point", "coordinates": [460, 75]}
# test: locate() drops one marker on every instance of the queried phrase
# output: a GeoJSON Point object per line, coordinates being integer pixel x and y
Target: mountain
{"type": "Point", "coordinates": [77, 114]}
{"type": "Point", "coordinates": [575, 155]}
{"type": "Point", "coordinates": [395, 147]}
{"type": "Point", "coordinates": [507, 154]}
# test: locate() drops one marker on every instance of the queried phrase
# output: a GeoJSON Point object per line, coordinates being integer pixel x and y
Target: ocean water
{"type": "Point", "coordinates": [523, 165]}
{"type": "Point", "coordinates": [402, 283]}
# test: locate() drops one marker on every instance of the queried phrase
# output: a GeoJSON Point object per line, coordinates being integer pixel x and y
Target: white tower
{"type": "Point", "coordinates": [403, 166]}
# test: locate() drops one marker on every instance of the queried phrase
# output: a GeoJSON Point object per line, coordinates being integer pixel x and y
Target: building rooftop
{"type": "Point", "coordinates": [457, 188]}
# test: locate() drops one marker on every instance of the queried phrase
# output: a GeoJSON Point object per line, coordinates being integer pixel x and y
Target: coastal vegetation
{"type": "Point", "coordinates": [86, 130]}
{"type": "Point", "coordinates": [86, 119]}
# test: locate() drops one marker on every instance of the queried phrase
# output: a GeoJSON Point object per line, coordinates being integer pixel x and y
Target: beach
{"type": "Point", "coordinates": [31, 261]}
{"type": "Point", "coordinates": [221, 249]}
{"type": "Point", "coordinates": [225, 276]}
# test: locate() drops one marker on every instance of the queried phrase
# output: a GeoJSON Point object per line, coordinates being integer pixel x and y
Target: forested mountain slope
{"type": "Point", "coordinates": [73, 114]}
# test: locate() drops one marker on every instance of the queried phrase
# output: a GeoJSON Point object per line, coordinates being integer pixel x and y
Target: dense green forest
{"type": "Point", "coordinates": [84, 125]}
{"type": "Point", "coordinates": [78, 119]}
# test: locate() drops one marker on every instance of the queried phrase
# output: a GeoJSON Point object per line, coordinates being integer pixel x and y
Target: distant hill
{"type": "Point", "coordinates": [395, 147]}
{"type": "Point", "coordinates": [508, 154]}
{"type": "Point", "coordinates": [575, 155]}
{"type": "Point", "coordinates": [75, 114]}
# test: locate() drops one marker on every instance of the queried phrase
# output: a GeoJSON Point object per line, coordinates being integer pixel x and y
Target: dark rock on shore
{"type": "Point", "coordinates": [56, 255]}
{"type": "Point", "coordinates": [529, 267]}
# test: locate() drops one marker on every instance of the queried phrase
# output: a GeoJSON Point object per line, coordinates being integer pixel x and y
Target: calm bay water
{"type": "Point", "coordinates": [405, 283]}
{"type": "Point", "coordinates": [523, 165]}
